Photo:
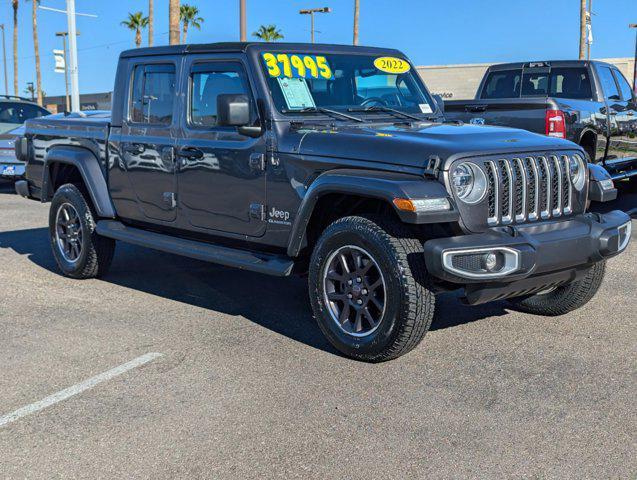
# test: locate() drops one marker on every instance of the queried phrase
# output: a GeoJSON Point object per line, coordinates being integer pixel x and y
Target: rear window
{"type": "Point", "coordinates": [570, 83]}
{"type": "Point", "coordinates": [556, 82]}
{"type": "Point", "coordinates": [502, 84]}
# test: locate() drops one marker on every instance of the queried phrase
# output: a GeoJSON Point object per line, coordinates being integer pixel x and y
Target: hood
{"type": "Point", "coordinates": [413, 146]}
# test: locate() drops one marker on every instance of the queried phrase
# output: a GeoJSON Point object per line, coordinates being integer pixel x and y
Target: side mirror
{"type": "Point", "coordinates": [233, 110]}
{"type": "Point", "coordinates": [440, 102]}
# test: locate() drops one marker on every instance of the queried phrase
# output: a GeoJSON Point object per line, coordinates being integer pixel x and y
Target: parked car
{"type": "Point", "coordinates": [330, 161]}
{"type": "Point", "coordinates": [14, 111]}
{"type": "Point", "coordinates": [10, 167]}
{"type": "Point", "coordinates": [587, 102]}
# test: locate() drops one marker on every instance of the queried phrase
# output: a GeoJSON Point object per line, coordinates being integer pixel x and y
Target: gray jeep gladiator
{"type": "Point", "coordinates": [325, 160]}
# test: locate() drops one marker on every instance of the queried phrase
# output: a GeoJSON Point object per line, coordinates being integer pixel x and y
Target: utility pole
{"type": "Point", "coordinates": [589, 29]}
{"type": "Point", "coordinates": [243, 21]}
{"type": "Point", "coordinates": [357, 6]}
{"type": "Point", "coordinates": [73, 70]}
{"type": "Point", "coordinates": [634, 25]}
{"type": "Point", "coordinates": [4, 58]}
{"type": "Point", "coordinates": [311, 12]}
{"type": "Point", "coordinates": [582, 30]}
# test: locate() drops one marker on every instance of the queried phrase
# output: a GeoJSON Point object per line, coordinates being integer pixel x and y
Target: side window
{"type": "Point", "coordinates": [152, 94]}
{"type": "Point", "coordinates": [570, 83]}
{"type": "Point", "coordinates": [627, 92]}
{"type": "Point", "coordinates": [208, 81]}
{"type": "Point", "coordinates": [608, 84]}
{"type": "Point", "coordinates": [502, 84]}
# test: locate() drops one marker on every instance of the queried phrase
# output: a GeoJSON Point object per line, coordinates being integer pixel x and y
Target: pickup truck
{"type": "Point", "coordinates": [587, 102]}
{"type": "Point", "coordinates": [327, 161]}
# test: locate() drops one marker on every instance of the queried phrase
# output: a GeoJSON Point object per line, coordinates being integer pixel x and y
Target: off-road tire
{"type": "Point", "coordinates": [409, 299]}
{"type": "Point", "coordinates": [563, 299]}
{"type": "Point", "coordinates": [96, 251]}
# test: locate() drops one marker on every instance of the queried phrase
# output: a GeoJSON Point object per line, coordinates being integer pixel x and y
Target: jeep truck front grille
{"type": "Point", "coordinates": [528, 188]}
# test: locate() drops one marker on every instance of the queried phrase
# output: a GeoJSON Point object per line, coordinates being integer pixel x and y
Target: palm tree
{"type": "Point", "coordinates": [36, 47]}
{"type": "Point", "coordinates": [357, 7]}
{"type": "Point", "coordinates": [189, 15]}
{"type": "Point", "coordinates": [268, 33]}
{"type": "Point", "coordinates": [136, 21]}
{"type": "Point", "coordinates": [173, 21]}
{"type": "Point", "coordinates": [15, 4]}
{"type": "Point", "coordinates": [151, 22]}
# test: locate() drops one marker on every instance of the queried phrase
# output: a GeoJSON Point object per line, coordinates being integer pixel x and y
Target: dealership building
{"type": "Point", "coordinates": [461, 81]}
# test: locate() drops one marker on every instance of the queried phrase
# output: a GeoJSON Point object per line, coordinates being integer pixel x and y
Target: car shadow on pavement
{"type": "Point", "coordinates": [278, 304]}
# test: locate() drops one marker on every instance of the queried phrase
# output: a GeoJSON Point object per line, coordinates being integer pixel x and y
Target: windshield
{"type": "Point", "coordinates": [345, 83]}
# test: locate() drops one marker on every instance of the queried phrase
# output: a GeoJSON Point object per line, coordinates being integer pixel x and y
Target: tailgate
{"type": "Point", "coordinates": [525, 113]}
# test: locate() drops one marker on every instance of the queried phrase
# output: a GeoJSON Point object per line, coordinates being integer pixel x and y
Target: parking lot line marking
{"type": "Point", "coordinates": [78, 388]}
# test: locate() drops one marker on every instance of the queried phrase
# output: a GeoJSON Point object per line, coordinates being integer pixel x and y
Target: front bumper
{"type": "Point", "coordinates": [531, 256]}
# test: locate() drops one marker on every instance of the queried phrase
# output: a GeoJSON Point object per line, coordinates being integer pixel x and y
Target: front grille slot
{"type": "Point", "coordinates": [528, 189]}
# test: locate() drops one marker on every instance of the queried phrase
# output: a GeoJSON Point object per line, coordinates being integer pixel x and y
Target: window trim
{"type": "Point", "coordinates": [231, 62]}
{"type": "Point", "coordinates": [131, 82]}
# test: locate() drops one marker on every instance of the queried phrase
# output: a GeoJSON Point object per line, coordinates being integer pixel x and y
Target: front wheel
{"type": "Point", "coordinates": [564, 299]}
{"type": "Point", "coordinates": [369, 288]}
{"type": "Point", "coordinates": [78, 250]}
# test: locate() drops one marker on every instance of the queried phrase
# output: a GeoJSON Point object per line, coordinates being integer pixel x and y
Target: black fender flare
{"type": "Point", "coordinates": [385, 186]}
{"type": "Point", "coordinates": [89, 167]}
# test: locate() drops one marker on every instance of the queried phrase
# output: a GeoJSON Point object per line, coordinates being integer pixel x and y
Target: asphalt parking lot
{"type": "Point", "coordinates": [241, 384]}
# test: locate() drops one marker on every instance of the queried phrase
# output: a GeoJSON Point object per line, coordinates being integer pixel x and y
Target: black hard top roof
{"type": "Point", "coordinates": [547, 63]}
{"type": "Point", "coordinates": [228, 47]}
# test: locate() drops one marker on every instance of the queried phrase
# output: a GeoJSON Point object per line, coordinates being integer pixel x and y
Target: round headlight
{"type": "Point", "coordinates": [469, 182]}
{"type": "Point", "coordinates": [577, 169]}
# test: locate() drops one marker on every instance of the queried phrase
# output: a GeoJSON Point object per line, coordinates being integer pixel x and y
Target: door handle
{"type": "Point", "coordinates": [190, 153]}
{"type": "Point", "coordinates": [612, 112]}
{"type": "Point", "coordinates": [134, 148]}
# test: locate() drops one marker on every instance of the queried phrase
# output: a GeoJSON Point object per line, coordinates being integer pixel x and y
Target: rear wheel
{"type": "Point", "coordinates": [369, 288]}
{"type": "Point", "coordinates": [565, 299]}
{"type": "Point", "coordinates": [78, 250]}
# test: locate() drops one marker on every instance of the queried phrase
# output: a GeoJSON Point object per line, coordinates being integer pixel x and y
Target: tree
{"type": "Point", "coordinates": [189, 15]}
{"type": "Point", "coordinates": [15, 5]}
{"type": "Point", "coordinates": [151, 22]}
{"type": "Point", "coordinates": [36, 48]}
{"type": "Point", "coordinates": [173, 21]}
{"type": "Point", "coordinates": [268, 33]}
{"type": "Point", "coordinates": [137, 22]}
{"type": "Point", "coordinates": [357, 8]}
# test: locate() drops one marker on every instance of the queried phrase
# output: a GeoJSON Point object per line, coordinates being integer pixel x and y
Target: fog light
{"type": "Point", "coordinates": [490, 262]}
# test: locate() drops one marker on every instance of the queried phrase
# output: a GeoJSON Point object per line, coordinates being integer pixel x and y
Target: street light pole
{"type": "Point", "coordinates": [634, 25]}
{"type": "Point", "coordinates": [4, 57]}
{"type": "Point", "coordinates": [72, 34]}
{"type": "Point", "coordinates": [311, 12]}
{"type": "Point", "coordinates": [66, 67]}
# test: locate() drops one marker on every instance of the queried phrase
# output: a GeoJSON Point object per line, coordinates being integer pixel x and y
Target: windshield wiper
{"type": "Point", "coordinates": [326, 111]}
{"type": "Point", "coordinates": [380, 108]}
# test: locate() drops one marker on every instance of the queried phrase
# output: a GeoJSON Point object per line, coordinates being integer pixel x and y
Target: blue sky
{"type": "Point", "coordinates": [431, 32]}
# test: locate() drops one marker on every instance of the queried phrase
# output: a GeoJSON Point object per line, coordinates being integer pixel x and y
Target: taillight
{"type": "Point", "coordinates": [555, 123]}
